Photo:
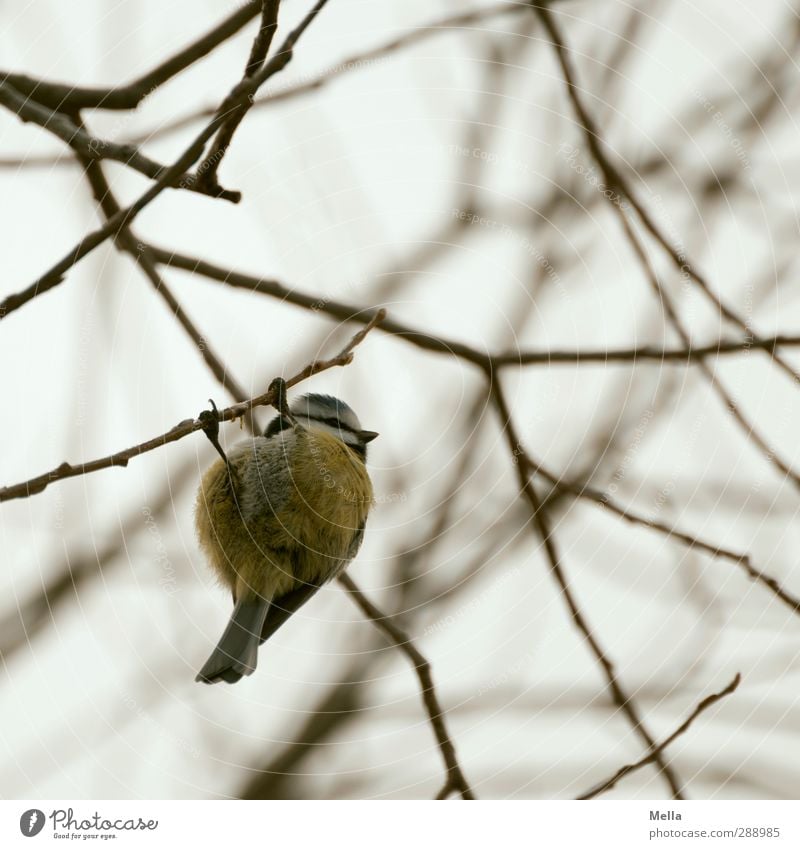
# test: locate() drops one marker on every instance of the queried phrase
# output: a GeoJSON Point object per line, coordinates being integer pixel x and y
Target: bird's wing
{"type": "Point", "coordinates": [355, 543]}
{"type": "Point", "coordinates": [282, 608]}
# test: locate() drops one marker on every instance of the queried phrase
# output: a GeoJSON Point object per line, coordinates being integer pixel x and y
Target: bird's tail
{"type": "Point", "coordinates": [236, 653]}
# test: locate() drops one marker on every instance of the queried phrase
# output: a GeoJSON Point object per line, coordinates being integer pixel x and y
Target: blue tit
{"type": "Point", "coordinates": [278, 517]}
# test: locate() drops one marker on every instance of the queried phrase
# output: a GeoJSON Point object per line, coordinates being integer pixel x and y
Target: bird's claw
{"type": "Point", "coordinates": [210, 421]}
{"type": "Point", "coordinates": [279, 402]}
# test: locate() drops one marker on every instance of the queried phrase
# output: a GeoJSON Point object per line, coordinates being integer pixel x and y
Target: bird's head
{"type": "Point", "coordinates": [324, 412]}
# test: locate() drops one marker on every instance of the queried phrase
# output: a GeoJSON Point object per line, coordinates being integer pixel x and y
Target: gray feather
{"type": "Point", "coordinates": [267, 482]}
{"type": "Point", "coordinates": [236, 653]}
{"type": "Point", "coordinates": [284, 607]}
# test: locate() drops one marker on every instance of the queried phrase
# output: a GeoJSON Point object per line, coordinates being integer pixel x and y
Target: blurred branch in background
{"type": "Point", "coordinates": [617, 184]}
{"type": "Point", "coordinates": [653, 756]}
{"type": "Point", "coordinates": [18, 628]}
{"type": "Point", "coordinates": [622, 699]}
{"type": "Point", "coordinates": [456, 782]}
{"type": "Point", "coordinates": [239, 96]}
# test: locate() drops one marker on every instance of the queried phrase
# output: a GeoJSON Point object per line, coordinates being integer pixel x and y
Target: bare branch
{"type": "Point", "coordinates": [90, 147]}
{"type": "Point", "coordinates": [250, 84]}
{"type": "Point", "coordinates": [634, 356]}
{"type": "Point", "coordinates": [439, 344]}
{"type": "Point", "coordinates": [357, 60]}
{"type": "Point", "coordinates": [336, 309]}
{"type": "Point", "coordinates": [621, 698]}
{"type": "Point", "coordinates": [244, 90]}
{"type": "Point", "coordinates": [618, 183]}
{"type": "Point", "coordinates": [207, 170]}
{"type": "Point", "coordinates": [682, 729]}
{"type": "Point", "coordinates": [66, 97]}
{"type": "Point", "coordinates": [182, 429]}
{"type": "Point", "coordinates": [456, 782]}
{"type": "Point", "coordinates": [129, 243]}
{"type": "Point", "coordinates": [747, 427]}
{"type": "Point", "coordinates": [691, 541]}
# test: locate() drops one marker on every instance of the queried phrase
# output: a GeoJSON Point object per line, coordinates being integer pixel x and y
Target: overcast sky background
{"type": "Point", "coordinates": [356, 192]}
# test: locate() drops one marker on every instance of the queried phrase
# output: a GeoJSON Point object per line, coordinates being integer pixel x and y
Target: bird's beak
{"type": "Point", "coordinates": [368, 435]}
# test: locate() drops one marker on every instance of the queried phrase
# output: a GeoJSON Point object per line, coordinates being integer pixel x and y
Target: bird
{"type": "Point", "coordinates": [279, 516]}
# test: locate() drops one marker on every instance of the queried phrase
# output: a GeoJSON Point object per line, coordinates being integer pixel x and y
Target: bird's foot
{"type": "Point", "coordinates": [210, 422]}
{"type": "Point", "coordinates": [280, 401]}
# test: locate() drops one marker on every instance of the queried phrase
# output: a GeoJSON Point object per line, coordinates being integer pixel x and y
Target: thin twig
{"type": "Point", "coordinates": [633, 356]}
{"type": "Point", "coordinates": [206, 176]}
{"type": "Point", "coordinates": [682, 729]}
{"type": "Point", "coordinates": [352, 62]}
{"type": "Point", "coordinates": [91, 147]}
{"type": "Point", "coordinates": [234, 102]}
{"type": "Point", "coordinates": [129, 243]}
{"type": "Point", "coordinates": [631, 516]}
{"type": "Point", "coordinates": [440, 344]}
{"type": "Point", "coordinates": [747, 427]}
{"type": "Point", "coordinates": [456, 782]}
{"type": "Point", "coordinates": [67, 97]}
{"type": "Point", "coordinates": [621, 698]}
{"type": "Point", "coordinates": [182, 429]}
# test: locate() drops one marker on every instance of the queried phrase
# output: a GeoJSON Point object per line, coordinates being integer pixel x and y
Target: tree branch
{"type": "Point", "coordinates": [244, 90]}
{"type": "Point", "coordinates": [648, 759]}
{"type": "Point", "coordinates": [455, 782]}
{"type": "Point", "coordinates": [439, 344]}
{"type": "Point", "coordinates": [747, 427]}
{"type": "Point", "coordinates": [182, 429]}
{"type": "Point", "coordinates": [621, 698]}
{"type": "Point", "coordinates": [91, 147]}
{"type": "Point", "coordinates": [443, 25]}
{"type": "Point", "coordinates": [690, 354]}
{"type": "Point", "coordinates": [618, 183]}
{"type": "Point", "coordinates": [691, 541]}
{"type": "Point", "coordinates": [491, 362]}
{"type": "Point", "coordinates": [66, 97]}
{"type": "Point", "coordinates": [206, 176]}
{"type": "Point", "coordinates": [129, 243]}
